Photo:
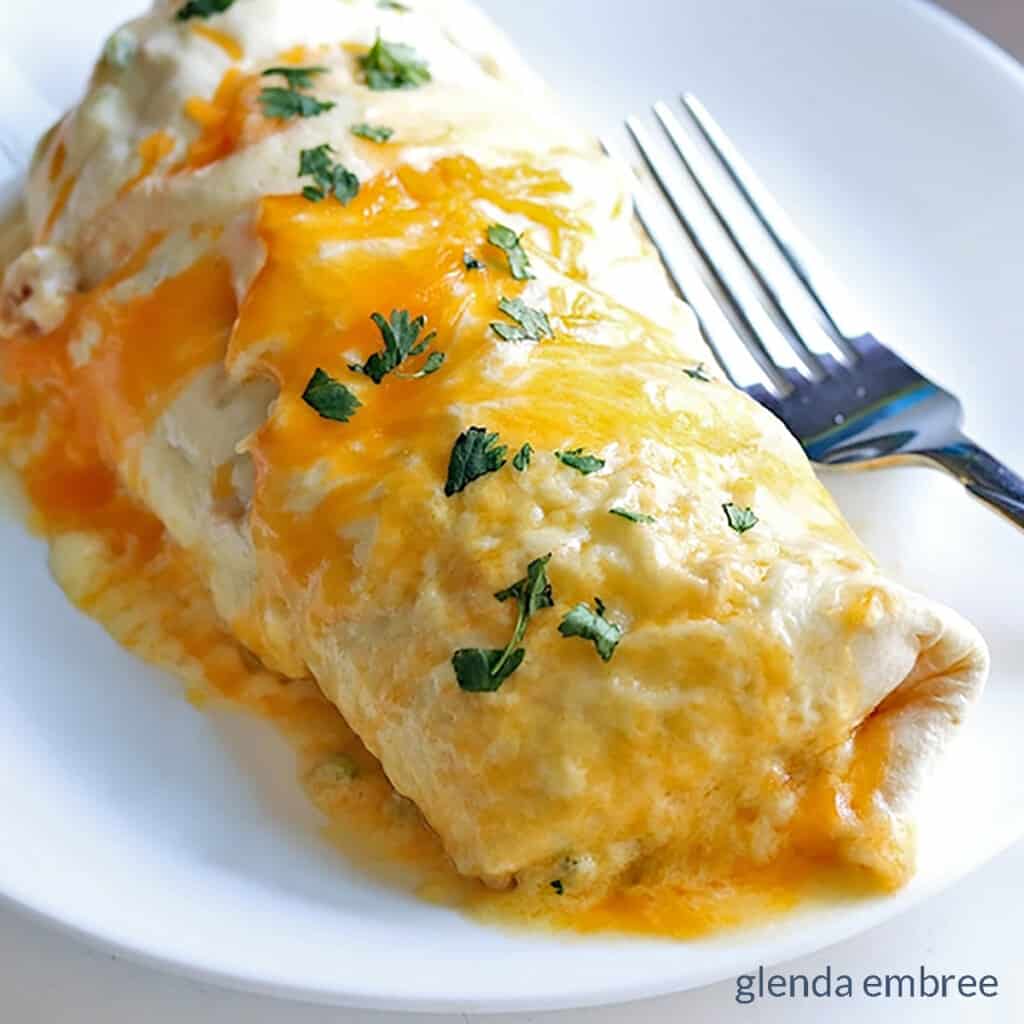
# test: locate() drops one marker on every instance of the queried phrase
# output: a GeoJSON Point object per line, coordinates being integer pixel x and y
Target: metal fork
{"type": "Point", "coordinates": [781, 325]}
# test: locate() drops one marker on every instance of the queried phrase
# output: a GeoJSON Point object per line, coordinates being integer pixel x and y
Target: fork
{"type": "Point", "coordinates": [782, 326]}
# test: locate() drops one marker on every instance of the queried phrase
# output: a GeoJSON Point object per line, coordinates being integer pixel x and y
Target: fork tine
{"type": "Point", "coordinates": [767, 342]}
{"type": "Point", "coordinates": [833, 300]}
{"type": "Point", "coordinates": [728, 348]}
{"type": "Point", "coordinates": [763, 259]}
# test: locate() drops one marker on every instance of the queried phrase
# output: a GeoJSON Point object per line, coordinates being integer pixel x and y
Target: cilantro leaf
{"type": "Point", "coordinates": [297, 78]}
{"type": "Point", "coordinates": [393, 66]}
{"type": "Point", "coordinates": [202, 9]}
{"type": "Point", "coordinates": [316, 162]}
{"type": "Point", "coordinates": [511, 245]}
{"type": "Point", "coordinates": [372, 132]}
{"type": "Point", "coordinates": [586, 624]}
{"type": "Point", "coordinates": [580, 461]}
{"type": "Point", "coordinates": [470, 262]}
{"type": "Point", "coordinates": [401, 340]}
{"type": "Point", "coordinates": [474, 455]}
{"type": "Point", "coordinates": [483, 671]}
{"type": "Point", "coordinates": [740, 519]}
{"type": "Point", "coordinates": [522, 457]}
{"type": "Point", "coordinates": [479, 671]}
{"type": "Point", "coordinates": [345, 185]}
{"type": "Point", "coordinates": [284, 104]}
{"type": "Point", "coordinates": [533, 591]}
{"type": "Point", "coordinates": [533, 324]}
{"type": "Point", "coordinates": [331, 178]}
{"type": "Point", "coordinates": [698, 373]}
{"type": "Point", "coordinates": [330, 398]}
{"type": "Point", "coordinates": [633, 517]}
{"type": "Point", "coordinates": [433, 363]}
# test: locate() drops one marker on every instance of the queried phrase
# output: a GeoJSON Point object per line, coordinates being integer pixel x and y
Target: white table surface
{"type": "Point", "coordinates": [49, 978]}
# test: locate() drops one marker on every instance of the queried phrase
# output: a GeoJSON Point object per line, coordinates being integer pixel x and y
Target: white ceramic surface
{"type": "Point", "coordinates": [130, 818]}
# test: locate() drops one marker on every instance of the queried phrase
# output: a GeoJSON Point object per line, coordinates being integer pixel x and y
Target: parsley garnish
{"type": "Point", "coordinates": [522, 457]}
{"type": "Point", "coordinates": [580, 461]}
{"type": "Point", "coordinates": [284, 104]}
{"type": "Point", "coordinates": [297, 78]}
{"type": "Point", "coordinates": [511, 245]}
{"type": "Point", "coordinates": [401, 341]}
{"type": "Point", "coordinates": [330, 398]}
{"type": "Point", "coordinates": [393, 66]}
{"type": "Point", "coordinates": [698, 373]}
{"type": "Point", "coordinates": [592, 625]}
{"type": "Point", "coordinates": [740, 519]}
{"type": "Point", "coordinates": [331, 178]}
{"type": "Point", "coordinates": [483, 671]}
{"type": "Point", "coordinates": [203, 9]}
{"type": "Point", "coordinates": [433, 363]}
{"type": "Point", "coordinates": [533, 324]}
{"type": "Point", "coordinates": [470, 262]}
{"type": "Point", "coordinates": [474, 455]}
{"type": "Point", "coordinates": [633, 517]}
{"type": "Point", "coordinates": [373, 132]}
{"type": "Point", "coordinates": [558, 886]}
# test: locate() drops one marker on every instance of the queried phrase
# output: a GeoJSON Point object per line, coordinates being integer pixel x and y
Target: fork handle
{"type": "Point", "coordinates": [984, 476]}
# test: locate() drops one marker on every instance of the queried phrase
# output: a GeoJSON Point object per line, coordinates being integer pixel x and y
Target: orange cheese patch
{"type": "Point", "coordinates": [229, 122]}
{"type": "Point", "coordinates": [152, 149]}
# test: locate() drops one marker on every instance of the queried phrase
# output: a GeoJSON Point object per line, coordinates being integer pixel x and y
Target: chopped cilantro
{"type": "Point", "coordinates": [592, 625]}
{"type": "Point", "coordinates": [511, 245]}
{"type": "Point", "coordinates": [393, 5]}
{"type": "Point", "coordinates": [633, 517]}
{"type": "Point", "coordinates": [402, 340]}
{"type": "Point", "coordinates": [297, 78]}
{"type": "Point", "coordinates": [372, 132]}
{"type": "Point", "coordinates": [483, 671]}
{"type": "Point", "coordinates": [330, 398]}
{"type": "Point", "coordinates": [284, 104]}
{"type": "Point", "coordinates": [698, 373]}
{"type": "Point", "coordinates": [470, 262]}
{"type": "Point", "coordinates": [533, 324]}
{"type": "Point", "coordinates": [533, 591]}
{"type": "Point", "coordinates": [432, 364]}
{"type": "Point", "coordinates": [474, 455]}
{"type": "Point", "coordinates": [740, 519]}
{"type": "Point", "coordinates": [331, 178]}
{"type": "Point", "coordinates": [522, 457]}
{"type": "Point", "coordinates": [580, 461]}
{"type": "Point", "coordinates": [393, 66]}
{"type": "Point", "coordinates": [202, 9]}
{"type": "Point", "coordinates": [480, 671]}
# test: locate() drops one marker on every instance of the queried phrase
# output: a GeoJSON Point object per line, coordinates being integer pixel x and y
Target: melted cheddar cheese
{"type": "Point", "coordinates": [761, 727]}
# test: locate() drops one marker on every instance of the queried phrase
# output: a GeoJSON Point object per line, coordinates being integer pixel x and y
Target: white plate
{"type": "Point", "coordinates": [892, 134]}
